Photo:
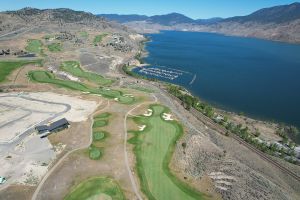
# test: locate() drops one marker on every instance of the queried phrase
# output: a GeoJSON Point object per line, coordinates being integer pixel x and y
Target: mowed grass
{"type": "Point", "coordinates": [96, 188]}
{"type": "Point", "coordinates": [34, 46]}
{"type": "Point", "coordinates": [102, 115]}
{"type": "Point", "coordinates": [7, 67]}
{"type": "Point", "coordinates": [99, 38]}
{"type": "Point", "coordinates": [96, 148]}
{"type": "Point", "coordinates": [95, 152]}
{"type": "Point", "coordinates": [55, 47]}
{"type": "Point", "coordinates": [99, 135]}
{"type": "Point", "coordinates": [73, 67]}
{"type": "Point", "coordinates": [154, 147]}
{"type": "Point", "coordinates": [47, 77]}
{"type": "Point", "coordinates": [100, 123]}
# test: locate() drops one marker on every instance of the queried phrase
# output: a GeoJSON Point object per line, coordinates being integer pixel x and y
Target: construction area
{"type": "Point", "coordinates": [25, 156]}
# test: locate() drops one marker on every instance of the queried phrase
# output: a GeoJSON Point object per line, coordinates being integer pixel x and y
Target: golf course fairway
{"type": "Point", "coordinates": [154, 148]}
{"type": "Point", "coordinates": [96, 188]}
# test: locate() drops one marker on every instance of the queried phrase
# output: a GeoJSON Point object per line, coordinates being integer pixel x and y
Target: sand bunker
{"type": "Point", "coordinates": [167, 117]}
{"type": "Point", "coordinates": [148, 113]}
{"type": "Point", "coordinates": [141, 128]}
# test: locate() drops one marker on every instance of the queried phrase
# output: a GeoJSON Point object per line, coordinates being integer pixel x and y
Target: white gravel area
{"type": "Point", "coordinates": [80, 109]}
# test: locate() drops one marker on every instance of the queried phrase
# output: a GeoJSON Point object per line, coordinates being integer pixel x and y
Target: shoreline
{"type": "Point", "coordinates": [218, 106]}
{"type": "Point", "coordinates": [269, 137]}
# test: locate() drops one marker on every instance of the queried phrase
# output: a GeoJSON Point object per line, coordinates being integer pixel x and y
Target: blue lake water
{"type": "Point", "coordinates": [258, 77]}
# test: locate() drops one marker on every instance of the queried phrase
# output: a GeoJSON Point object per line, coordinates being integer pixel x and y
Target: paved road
{"type": "Point", "coordinates": [134, 186]}
{"type": "Point", "coordinates": [36, 192]}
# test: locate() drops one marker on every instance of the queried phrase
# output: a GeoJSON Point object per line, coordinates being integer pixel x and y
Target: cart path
{"type": "Point", "coordinates": [40, 185]}
{"type": "Point", "coordinates": [133, 183]}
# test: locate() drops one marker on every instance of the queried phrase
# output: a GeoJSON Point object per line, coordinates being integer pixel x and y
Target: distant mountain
{"type": "Point", "coordinates": [124, 18]}
{"type": "Point", "coordinates": [165, 20]}
{"type": "Point", "coordinates": [280, 23]}
{"type": "Point", "coordinates": [209, 21]}
{"type": "Point", "coordinates": [277, 14]}
{"type": "Point", "coordinates": [170, 19]}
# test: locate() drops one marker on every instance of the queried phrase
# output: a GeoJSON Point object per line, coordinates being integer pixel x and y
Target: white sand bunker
{"type": "Point", "coordinates": [148, 113]}
{"type": "Point", "coordinates": [69, 76]}
{"type": "Point", "coordinates": [167, 117]}
{"type": "Point", "coordinates": [128, 95]}
{"type": "Point", "coordinates": [116, 99]}
{"type": "Point", "coordinates": [141, 128]}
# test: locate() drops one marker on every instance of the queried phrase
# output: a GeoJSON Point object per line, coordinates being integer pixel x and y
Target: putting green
{"type": "Point", "coordinates": [100, 123]}
{"type": "Point", "coordinates": [94, 152]}
{"type": "Point", "coordinates": [73, 67]}
{"type": "Point", "coordinates": [154, 147]}
{"type": "Point", "coordinates": [34, 46]}
{"type": "Point", "coordinates": [47, 77]}
{"type": "Point", "coordinates": [99, 135]}
{"type": "Point", "coordinates": [102, 115]}
{"type": "Point", "coordinates": [55, 47]}
{"type": "Point", "coordinates": [96, 188]}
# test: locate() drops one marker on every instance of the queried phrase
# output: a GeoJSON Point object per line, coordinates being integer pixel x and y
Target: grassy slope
{"type": "Point", "coordinates": [98, 38]}
{"type": "Point", "coordinates": [92, 188]}
{"type": "Point", "coordinates": [55, 47]}
{"type": "Point", "coordinates": [154, 149]}
{"type": "Point", "coordinates": [34, 46]}
{"type": "Point", "coordinates": [74, 68]}
{"type": "Point", "coordinates": [84, 34]}
{"type": "Point", "coordinates": [7, 67]}
{"type": "Point", "coordinates": [47, 77]}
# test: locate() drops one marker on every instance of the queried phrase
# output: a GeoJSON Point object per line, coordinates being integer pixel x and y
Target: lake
{"type": "Point", "coordinates": [257, 77]}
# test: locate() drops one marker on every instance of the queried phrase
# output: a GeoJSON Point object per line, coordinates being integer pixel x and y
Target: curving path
{"type": "Point", "coordinates": [40, 185]}
{"type": "Point", "coordinates": [133, 183]}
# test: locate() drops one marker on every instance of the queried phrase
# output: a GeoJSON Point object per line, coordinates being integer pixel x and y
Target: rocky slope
{"type": "Point", "coordinates": [31, 17]}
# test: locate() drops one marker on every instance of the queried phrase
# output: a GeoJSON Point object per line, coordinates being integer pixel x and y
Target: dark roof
{"type": "Point", "coordinates": [58, 124]}
{"type": "Point", "coordinates": [52, 126]}
{"type": "Point", "coordinates": [41, 128]}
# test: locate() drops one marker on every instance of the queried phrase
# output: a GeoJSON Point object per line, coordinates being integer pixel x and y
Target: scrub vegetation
{"type": "Point", "coordinates": [73, 67]}
{"type": "Point", "coordinates": [96, 188]}
{"type": "Point", "coordinates": [143, 89]}
{"type": "Point", "coordinates": [7, 67]}
{"type": "Point", "coordinates": [47, 77]}
{"type": "Point", "coordinates": [154, 148]}
{"type": "Point", "coordinates": [84, 34]}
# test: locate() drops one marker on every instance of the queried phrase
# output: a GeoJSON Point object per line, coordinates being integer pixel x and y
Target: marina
{"type": "Point", "coordinates": [162, 72]}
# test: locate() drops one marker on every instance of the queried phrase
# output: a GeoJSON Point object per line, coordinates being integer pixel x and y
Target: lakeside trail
{"type": "Point", "coordinates": [133, 183]}
{"type": "Point", "coordinates": [40, 185]}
